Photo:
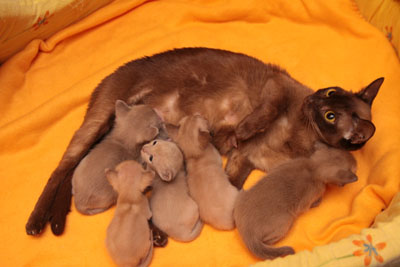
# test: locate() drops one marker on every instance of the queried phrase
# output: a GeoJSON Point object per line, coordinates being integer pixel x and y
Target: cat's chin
{"type": "Point", "coordinates": [348, 145]}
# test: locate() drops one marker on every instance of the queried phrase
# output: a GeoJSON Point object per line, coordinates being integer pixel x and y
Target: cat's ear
{"type": "Point", "coordinates": [112, 177]}
{"type": "Point", "coordinates": [369, 93]}
{"type": "Point", "coordinates": [147, 179]}
{"type": "Point", "coordinates": [121, 108]}
{"type": "Point", "coordinates": [166, 175]}
{"type": "Point", "coordinates": [363, 131]}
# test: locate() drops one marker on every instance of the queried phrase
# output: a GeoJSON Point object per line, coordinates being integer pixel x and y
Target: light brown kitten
{"type": "Point", "coordinates": [208, 184]}
{"type": "Point", "coordinates": [265, 213]}
{"type": "Point", "coordinates": [174, 211]}
{"type": "Point", "coordinates": [133, 126]}
{"type": "Point", "coordinates": [129, 239]}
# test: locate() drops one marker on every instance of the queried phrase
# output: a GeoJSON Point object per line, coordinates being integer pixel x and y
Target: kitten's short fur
{"type": "Point", "coordinates": [267, 111]}
{"type": "Point", "coordinates": [129, 239]}
{"type": "Point", "coordinates": [265, 213]}
{"type": "Point", "coordinates": [174, 211]}
{"type": "Point", "coordinates": [133, 126]}
{"type": "Point", "coordinates": [208, 184]}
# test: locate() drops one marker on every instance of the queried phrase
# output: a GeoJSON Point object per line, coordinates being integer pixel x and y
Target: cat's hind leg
{"type": "Point", "coordinates": [55, 201]}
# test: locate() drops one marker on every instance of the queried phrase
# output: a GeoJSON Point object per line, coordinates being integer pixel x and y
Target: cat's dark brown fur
{"type": "Point", "coordinates": [240, 96]}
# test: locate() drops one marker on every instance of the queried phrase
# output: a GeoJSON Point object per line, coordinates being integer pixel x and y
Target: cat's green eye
{"type": "Point", "coordinates": [330, 92]}
{"type": "Point", "coordinates": [330, 116]}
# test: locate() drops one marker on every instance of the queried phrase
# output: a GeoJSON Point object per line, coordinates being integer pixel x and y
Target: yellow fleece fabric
{"type": "Point", "coordinates": [45, 89]}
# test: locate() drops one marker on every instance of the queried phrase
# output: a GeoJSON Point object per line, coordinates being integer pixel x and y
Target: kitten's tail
{"type": "Point", "coordinates": [264, 251]}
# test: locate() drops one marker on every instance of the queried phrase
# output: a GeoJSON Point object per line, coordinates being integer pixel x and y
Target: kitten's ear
{"type": "Point", "coordinates": [204, 139]}
{"type": "Point", "coordinates": [232, 141]}
{"type": "Point", "coordinates": [345, 177]}
{"type": "Point", "coordinates": [121, 108]}
{"type": "Point", "coordinates": [369, 93]}
{"type": "Point", "coordinates": [363, 132]}
{"type": "Point", "coordinates": [147, 179]}
{"type": "Point", "coordinates": [152, 132]}
{"type": "Point", "coordinates": [172, 131]}
{"type": "Point", "coordinates": [112, 177]}
{"type": "Point", "coordinates": [182, 121]}
{"type": "Point", "coordinates": [166, 175]}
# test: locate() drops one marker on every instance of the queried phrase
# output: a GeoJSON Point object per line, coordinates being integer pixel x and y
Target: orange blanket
{"type": "Point", "coordinates": [44, 91]}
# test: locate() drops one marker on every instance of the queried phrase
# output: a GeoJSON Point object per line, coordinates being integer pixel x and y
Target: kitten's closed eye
{"type": "Point", "coordinates": [154, 143]}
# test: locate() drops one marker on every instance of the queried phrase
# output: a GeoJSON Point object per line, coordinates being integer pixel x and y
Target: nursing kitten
{"type": "Point", "coordinates": [133, 126]}
{"type": "Point", "coordinates": [265, 213]}
{"type": "Point", "coordinates": [267, 111]}
{"type": "Point", "coordinates": [129, 240]}
{"type": "Point", "coordinates": [208, 184]}
{"type": "Point", "coordinates": [174, 211]}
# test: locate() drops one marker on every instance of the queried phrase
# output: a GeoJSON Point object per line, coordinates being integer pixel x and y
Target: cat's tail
{"type": "Point", "coordinates": [263, 250]}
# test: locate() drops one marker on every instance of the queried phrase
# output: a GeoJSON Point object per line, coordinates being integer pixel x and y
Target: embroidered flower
{"type": "Point", "coordinates": [369, 250]}
{"type": "Point", "coordinates": [42, 21]}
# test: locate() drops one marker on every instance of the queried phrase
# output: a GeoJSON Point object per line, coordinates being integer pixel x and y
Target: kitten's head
{"type": "Point", "coordinates": [342, 119]}
{"type": "Point", "coordinates": [137, 124]}
{"type": "Point", "coordinates": [129, 178]}
{"type": "Point", "coordinates": [334, 166]}
{"type": "Point", "coordinates": [164, 157]}
{"type": "Point", "coordinates": [193, 135]}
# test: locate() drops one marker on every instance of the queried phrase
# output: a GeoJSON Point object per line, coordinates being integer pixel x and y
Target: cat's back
{"type": "Point", "coordinates": [194, 67]}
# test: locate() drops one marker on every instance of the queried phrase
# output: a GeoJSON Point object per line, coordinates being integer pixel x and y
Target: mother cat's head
{"type": "Point", "coordinates": [341, 118]}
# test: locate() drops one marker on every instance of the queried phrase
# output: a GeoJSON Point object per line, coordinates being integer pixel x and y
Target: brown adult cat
{"type": "Point", "coordinates": [269, 112]}
{"type": "Point", "coordinates": [264, 213]}
{"type": "Point", "coordinates": [133, 127]}
{"type": "Point", "coordinates": [129, 239]}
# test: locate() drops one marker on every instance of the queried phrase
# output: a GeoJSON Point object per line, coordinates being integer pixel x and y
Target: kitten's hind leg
{"type": "Point", "coordinates": [238, 168]}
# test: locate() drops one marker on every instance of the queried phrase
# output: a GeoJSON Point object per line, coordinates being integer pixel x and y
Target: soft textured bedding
{"type": "Point", "coordinates": [44, 91]}
{"type": "Point", "coordinates": [23, 21]}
